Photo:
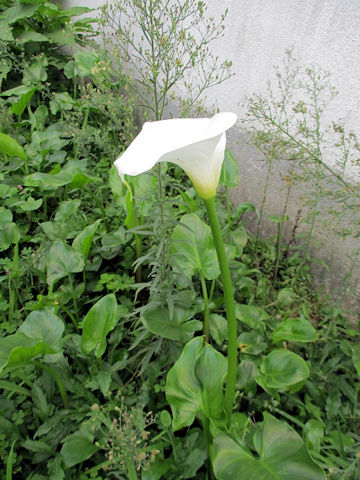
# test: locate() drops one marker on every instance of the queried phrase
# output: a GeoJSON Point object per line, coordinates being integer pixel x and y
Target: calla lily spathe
{"type": "Point", "coordinates": [197, 145]}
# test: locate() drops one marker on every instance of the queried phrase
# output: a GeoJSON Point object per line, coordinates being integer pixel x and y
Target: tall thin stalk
{"type": "Point", "coordinates": [229, 306]}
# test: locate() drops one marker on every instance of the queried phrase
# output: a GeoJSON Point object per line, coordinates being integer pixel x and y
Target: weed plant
{"type": "Point", "coordinates": [85, 348]}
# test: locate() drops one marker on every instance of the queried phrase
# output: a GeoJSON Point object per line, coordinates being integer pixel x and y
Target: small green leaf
{"type": "Point", "coordinates": [98, 322]}
{"type": "Point", "coordinates": [314, 433]}
{"type": "Point", "coordinates": [9, 146]}
{"type": "Point", "coordinates": [281, 455]}
{"type": "Point", "coordinates": [192, 248]}
{"type": "Point", "coordinates": [194, 384]}
{"type": "Point", "coordinates": [19, 106]}
{"type": "Point", "coordinates": [36, 71]}
{"type": "Point", "coordinates": [294, 330]}
{"type": "Point", "coordinates": [251, 343]}
{"type": "Point", "coordinates": [286, 296]}
{"type": "Point", "coordinates": [77, 448]}
{"type": "Point", "coordinates": [9, 235]}
{"type": "Point", "coordinates": [254, 317]}
{"type": "Point", "coordinates": [281, 370]}
{"type": "Point", "coordinates": [218, 328]}
{"type": "Point", "coordinates": [356, 357]}
{"type": "Point", "coordinates": [230, 171]}
{"type": "Point", "coordinates": [82, 242]}
{"type": "Point", "coordinates": [45, 326]}
{"type": "Point", "coordinates": [40, 334]}
{"type": "Point", "coordinates": [31, 36]}
{"type": "Point", "coordinates": [75, 178]}
{"type": "Point", "coordinates": [62, 260]}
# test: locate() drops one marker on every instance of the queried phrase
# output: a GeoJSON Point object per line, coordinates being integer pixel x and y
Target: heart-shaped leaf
{"type": "Point", "coordinates": [193, 248]}
{"type": "Point", "coordinates": [194, 384]}
{"type": "Point", "coordinates": [40, 334]}
{"type": "Point", "coordinates": [62, 260]}
{"type": "Point", "coordinates": [281, 370]}
{"type": "Point", "coordinates": [294, 330]}
{"type": "Point", "coordinates": [281, 455]}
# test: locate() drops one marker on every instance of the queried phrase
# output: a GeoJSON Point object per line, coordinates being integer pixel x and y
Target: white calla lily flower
{"type": "Point", "coordinates": [197, 145]}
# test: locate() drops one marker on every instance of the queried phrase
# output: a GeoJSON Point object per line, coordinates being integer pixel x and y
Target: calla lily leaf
{"type": "Point", "coordinates": [98, 322]}
{"type": "Point", "coordinates": [281, 455]}
{"type": "Point", "coordinates": [197, 145]}
{"type": "Point", "coordinates": [40, 334]}
{"type": "Point", "coordinates": [294, 330]}
{"type": "Point", "coordinates": [62, 260]}
{"type": "Point", "coordinates": [194, 384]}
{"type": "Point", "coordinates": [192, 248]}
{"type": "Point", "coordinates": [9, 146]}
{"type": "Point", "coordinates": [282, 370]}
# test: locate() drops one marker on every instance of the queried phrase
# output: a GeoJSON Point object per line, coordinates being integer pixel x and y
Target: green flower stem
{"type": "Point", "coordinates": [206, 309]}
{"type": "Point", "coordinates": [229, 306]}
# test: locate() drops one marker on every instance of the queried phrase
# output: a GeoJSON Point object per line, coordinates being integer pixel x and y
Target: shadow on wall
{"type": "Point", "coordinates": [297, 166]}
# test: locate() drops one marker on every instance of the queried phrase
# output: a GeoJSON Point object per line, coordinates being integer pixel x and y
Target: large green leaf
{"type": "Point", "coordinates": [294, 330]}
{"type": "Point", "coordinates": [45, 326]}
{"type": "Point", "coordinates": [192, 248]}
{"type": "Point", "coordinates": [9, 234]}
{"type": "Point", "coordinates": [62, 260]}
{"type": "Point", "coordinates": [98, 322]}
{"type": "Point", "coordinates": [74, 178]}
{"type": "Point", "coordinates": [254, 317]}
{"type": "Point", "coordinates": [281, 455]}
{"type": "Point", "coordinates": [9, 146]}
{"type": "Point", "coordinates": [194, 384]}
{"type": "Point", "coordinates": [180, 328]}
{"type": "Point", "coordinates": [18, 12]}
{"type": "Point", "coordinates": [77, 448]}
{"type": "Point", "coordinates": [281, 370]}
{"type": "Point", "coordinates": [40, 334]}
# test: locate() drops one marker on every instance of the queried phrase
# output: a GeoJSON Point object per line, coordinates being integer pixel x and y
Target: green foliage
{"type": "Point", "coordinates": [281, 455]}
{"type": "Point", "coordinates": [92, 352]}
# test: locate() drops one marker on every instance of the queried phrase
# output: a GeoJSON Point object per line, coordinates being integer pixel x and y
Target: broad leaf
{"type": "Point", "coordinates": [254, 317]}
{"type": "Point", "coordinates": [9, 146]}
{"type": "Point", "coordinates": [194, 384]}
{"type": "Point", "coordinates": [62, 260]}
{"type": "Point", "coordinates": [77, 448]}
{"type": "Point", "coordinates": [281, 455]}
{"type": "Point", "coordinates": [294, 330]}
{"type": "Point", "coordinates": [74, 178]}
{"type": "Point", "coordinates": [281, 370]}
{"type": "Point", "coordinates": [98, 322]}
{"type": "Point", "coordinates": [40, 334]}
{"type": "Point", "coordinates": [180, 328]}
{"type": "Point", "coordinates": [82, 243]}
{"type": "Point", "coordinates": [192, 248]}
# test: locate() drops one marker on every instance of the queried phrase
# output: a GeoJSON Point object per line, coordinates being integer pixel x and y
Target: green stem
{"type": "Point", "coordinates": [206, 309]}
{"type": "Point", "coordinates": [131, 470]}
{"type": "Point", "coordinates": [229, 306]}
{"type": "Point", "coordinates": [208, 438]}
{"type": "Point", "coordinates": [58, 381]}
{"type": "Point", "coordinates": [74, 301]}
